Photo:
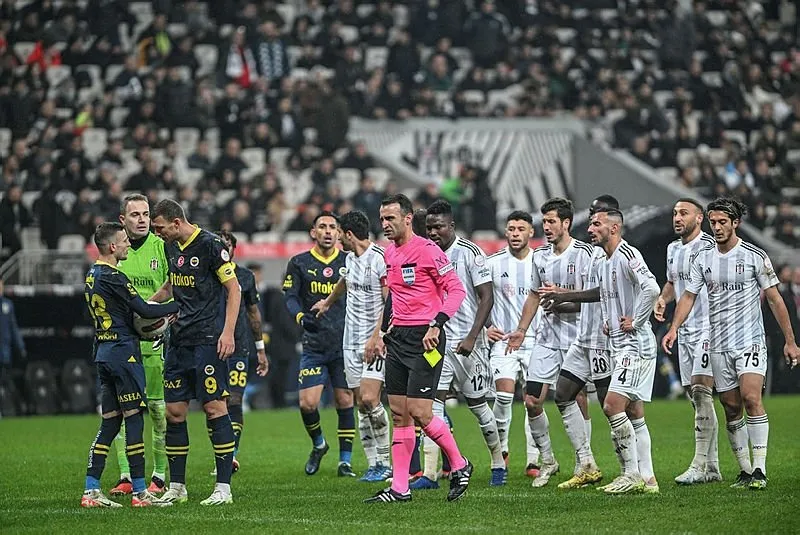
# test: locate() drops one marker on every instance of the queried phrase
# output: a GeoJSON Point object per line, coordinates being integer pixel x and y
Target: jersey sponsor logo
{"type": "Point", "coordinates": [410, 276]}
{"type": "Point", "coordinates": [154, 264]}
{"type": "Point", "coordinates": [127, 398]}
{"type": "Point", "coordinates": [708, 270]}
{"type": "Point", "coordinates": [131, 289]}
{"type": "Point", "coordinates": [484, 272]}
{"type": "Point", "coordinates": [287, 282]}
{"type": "Point", "coordinates": [327, 272]}
{"type": "Point", "coordinates": [225, 256]}
{"type": "Point", "coordinates": [541, 270]}
{"type": "Point", "coordinates": [739, 267]}
{"type": "Point", "coordinates": [209, 369]}
{"type": "Point", "coordinates": [360, 287]}
{"type": "Point", "coordinates": [181, 261]}
{"type": "Point", "coordinates": [240, 366]}
{"type": "Point", "coordinates": [194, 261]}
{"type": "Point", "coordinates": [172, 384]}
{"type": "Point", "coordinates": [768, 269]}
{"type": "Point", "coordinates": [107, 336]}
{"type": "Point", "coordinates": [312, 272]}
{"type": "Point", "coordinates": [322, 287]}
{"type": "Point", "coordinates": [504, 275]}
{"type": "Point", "coordinates": [185, 281]}
{"type": "Point", "coordinates": [309, 372]}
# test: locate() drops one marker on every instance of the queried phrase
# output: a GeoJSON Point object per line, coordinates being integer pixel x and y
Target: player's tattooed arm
{"type": "Point", "coordinates": [567, 308]}
{"type": "Point", "coordinates": [552, 296]}
{"type": "Point", "coordinates": [254, 319]}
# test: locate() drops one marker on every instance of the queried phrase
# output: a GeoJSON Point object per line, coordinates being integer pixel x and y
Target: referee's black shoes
{"type": "Point", "coordinates": [459, 481]}
{"type": "Point", "coordinates": [388, 495]}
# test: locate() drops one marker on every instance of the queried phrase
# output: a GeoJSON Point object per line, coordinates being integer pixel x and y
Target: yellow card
{"type": "Point", "coordinates": [433, 357]}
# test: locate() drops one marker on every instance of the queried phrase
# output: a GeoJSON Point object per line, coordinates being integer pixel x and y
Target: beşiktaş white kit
{"type": "Point", "coordinates": [587, 357]}
{"type": "Point", "coordinates": [693, 336]}
{"type": "Point", "coordinates": [471, 374]}
{"type": "Point", "coordinates": [734, 281]}
{"type": "Point", "coordinates": [628, 288]}
{"type": "Point", "coordinates": [362, 275]}
{"type": "Point", "coordinates": [556, 332]}
{"type": "Point", "coordinates": [511, 284]}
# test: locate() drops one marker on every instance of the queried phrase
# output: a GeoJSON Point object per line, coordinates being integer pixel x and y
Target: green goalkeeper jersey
{"type": "Point", "coordinates": [147, 269]}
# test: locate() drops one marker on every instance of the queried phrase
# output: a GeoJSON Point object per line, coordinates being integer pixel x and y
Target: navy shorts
{"type": "Point", "coordinates": [315, 369]}
{"type": "Point", "coordinates": [237, 374]}
{"type": "Point", "coordinates": [121, 375]}
{"type": "Point", "coordinates": [194, 372]}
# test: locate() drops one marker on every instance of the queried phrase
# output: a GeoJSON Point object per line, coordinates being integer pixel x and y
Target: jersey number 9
{"type": "Point", "coordinates": [211, 385]}
{"type": "Point", "coordinates": [97, 308]}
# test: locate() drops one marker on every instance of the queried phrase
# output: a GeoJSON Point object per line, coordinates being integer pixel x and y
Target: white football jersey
{"type": "Point", "coordinates": [470, 265]}
{"type": "Point", "coordinates": [734, 281]}
{"type": "Point", "coordinates": [364, 296]}
{"type": "Point", "coordinates": [623, 277]}
{"type": "Point", "coordinates": [511, 283]}
{"type": "Point", "coordinates": [679, 273]}
{"type": "Point", "coordinates": [590, 325]}
{"type": "Point", "coordinates": [558, 331]}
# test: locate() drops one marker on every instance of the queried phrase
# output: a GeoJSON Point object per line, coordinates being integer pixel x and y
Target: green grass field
{"type": "Point", "coordinates": [42, 464]}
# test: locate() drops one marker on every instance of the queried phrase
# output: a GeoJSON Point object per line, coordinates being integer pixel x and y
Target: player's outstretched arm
{"type": "Point", "coordinates": [323, 305]}
{"type": "Point", "coordinates": [151, 311]}
{"type": "Point", "coordinates": [666, 297]}
{"type": "Point", "coordinates": [485, 303]}
{"type": "Point", "coordinates": [554, 296]}
{"type": "Point", "coordinates": [567, 308]}
{"type": "Point", "coordinates": [685, 304]}
{"type": "Point", "coordinates": [163, 294]}
{"type": "Point", "coordinates": [790, 350]}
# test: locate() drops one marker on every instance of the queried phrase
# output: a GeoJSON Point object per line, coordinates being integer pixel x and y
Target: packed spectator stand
{"type": "Point", "coordinates": [240, 109]}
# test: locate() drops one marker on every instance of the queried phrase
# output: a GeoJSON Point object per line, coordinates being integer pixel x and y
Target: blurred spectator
{"type": "Point", "coordinates": [273, 60]}
{"type": "Point", "coordinates": [12, 346]}
{"type": "Point", "coordinates": [486, 33]}
{"type": "Point", "coordinates": [200, 158]}
{"type": "Point", "coordinates": [229, 167]}
{"type": "Point", "coordinates": [358, 158]}
{"type": "Point", "coordinates": [175, 101]}
{"type": "Point", "coordinates": [286, 125]}
{"type": "Point", "coordinates": [13, 218]}
{"type": "Point", "coordinates": [231, 113]}
{"type": "Point", "coordinates": [237, 63]}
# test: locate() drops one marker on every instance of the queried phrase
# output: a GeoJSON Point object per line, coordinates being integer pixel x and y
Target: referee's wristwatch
{"type": "Point", "coordinates": [438, 321]}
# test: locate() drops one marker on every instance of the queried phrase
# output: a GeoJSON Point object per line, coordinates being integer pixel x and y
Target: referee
{"type": "Point", "coordinates": [419, 275]}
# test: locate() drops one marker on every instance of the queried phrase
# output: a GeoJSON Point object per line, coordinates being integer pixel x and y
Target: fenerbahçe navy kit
{"type": "Point", "coordinates": [311, 277]}
{"type": "Point", "coordinates": [197, 271]}
{"type": "Point", "coordinates": [245, 345]}
{"type": "Point", "coordinates": [110, 297]}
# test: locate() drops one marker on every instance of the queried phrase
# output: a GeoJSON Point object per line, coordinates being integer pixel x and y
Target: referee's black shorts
{"type": "Point", "coordinates": [408, 372]}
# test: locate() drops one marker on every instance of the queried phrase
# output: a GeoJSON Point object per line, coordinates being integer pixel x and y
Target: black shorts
{"type": "Point", "coordinates": [408, 373]}
{"type": "Point", "coordinates": [194, 372]}
{"type": "Point", "coordinates": [237, 374]}
{"type": "Point", "coordinates": [121, 375]}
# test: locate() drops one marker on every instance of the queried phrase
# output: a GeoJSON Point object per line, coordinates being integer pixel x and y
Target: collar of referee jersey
{"type": "Point", "coordinates": [325, 259]}
{"type": "Point", "coordinates": [183, 246]}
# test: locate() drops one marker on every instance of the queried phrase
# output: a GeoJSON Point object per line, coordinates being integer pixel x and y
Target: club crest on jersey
{"type": "Point", "coordinates": [194, 261]}
{"type": "Point", "coordinates": [706, 345]}
{"type": "Point", "coordinates": [614, 276]}
{"type": "Point", "coordinates": [209, 369]}
{"type": "Point", "coordinates": [739, 267]}
{"type": "Point", "coordinates": [240, 366]}
{"type": "Point", "coordinates": [181, 261]}
{"type": "Point", "coordinates": [571, 268]}
{"type": "Point", "coordinates": [154, 264]}
{"type": "Point", "coordinates": [343, 271]}
{"type": "Point", "coordinates": [327, 272]}
{"type": "Point", "coordinates": [409, 276]}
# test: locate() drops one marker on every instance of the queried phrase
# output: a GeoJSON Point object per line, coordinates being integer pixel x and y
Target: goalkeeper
{"type": "Point", "coordinates": [146, 267]}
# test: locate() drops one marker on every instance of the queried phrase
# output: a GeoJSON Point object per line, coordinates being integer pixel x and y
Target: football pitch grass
{"type": "Point", "coordinates": [42, 466]}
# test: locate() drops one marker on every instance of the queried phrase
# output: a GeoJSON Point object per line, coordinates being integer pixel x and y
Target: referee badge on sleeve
{"type": "Point", "coordinates": [409, 276]}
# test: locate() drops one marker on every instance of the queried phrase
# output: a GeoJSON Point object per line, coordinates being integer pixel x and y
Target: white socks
{"type": "Point", "coordinates": [575, 426]}
{"type": "Point", "coordinates": [367, 438]}
{"type": "Point", "coordinates": [738, 436]}
{"type": "Point", "coordinates": [643, 449]}
{"type": "Point", "coordinates": [540, 432]}
{"type": "Point", "coordinates": [758, 429]}
{"type": "Point", "coordinates": [488, 427]}
{"type": "Point", "coordinates": [532, 450]}
{"type": "Point", "coordinates": [380, 431]}
{"type": "Point", "coordinates": [625, 443]}
{"type": "Point", "coordinates": [706, 428]}
{"type": "Point", "coordinates": [503, 412]}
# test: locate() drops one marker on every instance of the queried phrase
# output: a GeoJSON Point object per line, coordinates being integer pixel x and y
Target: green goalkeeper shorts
{"type": "Point", "coordinates": [153, 373]}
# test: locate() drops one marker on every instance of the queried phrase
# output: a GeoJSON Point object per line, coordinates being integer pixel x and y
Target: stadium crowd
{"type": "Point", "coordinates": [240, 109]}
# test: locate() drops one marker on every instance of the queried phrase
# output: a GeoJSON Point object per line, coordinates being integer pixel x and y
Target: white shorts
{"type": "Point", "coordinates": [633, 376]}
{"type": "Point", "coordinates": [471, 374]}
{"type": "Point", "coordinates": [356, 369]}
{"type": "Point", "coordinates": [728, 366]}
{"type": "Point", "coordinates": [512, 365]}
{"type": "Point", "coordinates": [545, 365]}
{"type": "Point", "coordinates": [586, 363]}
{"type": "Point", "coordinates": [693, 357]}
